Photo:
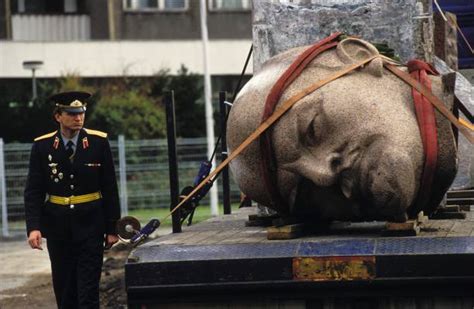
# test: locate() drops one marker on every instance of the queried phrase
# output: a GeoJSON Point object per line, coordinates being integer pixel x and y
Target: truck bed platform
{"type": "Point", "coordinates": [224, 261]}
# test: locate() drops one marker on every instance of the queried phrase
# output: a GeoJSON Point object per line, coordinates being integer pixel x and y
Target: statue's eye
{"type": "Point", "coordinates": [314, 132]}
{"type": "Point", "coordinates": [309, 120]}
{"type": "Point", "coordinates": [310, 134]}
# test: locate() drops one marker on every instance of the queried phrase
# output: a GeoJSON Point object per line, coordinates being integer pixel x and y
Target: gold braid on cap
{"type": "Point", "coordinates": [75, 103]}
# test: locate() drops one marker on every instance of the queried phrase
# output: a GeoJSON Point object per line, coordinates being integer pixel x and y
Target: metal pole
{"type": "Point", "coordinates": [225, 171]}
{"type": "Point", "coordinates": [111, 17]}
{"type": "Point", "coordinates": [3, 192]}
{"type": "Point", "coordinates": [35, 94]}
{"type": "Point", "coordinates": [172, 158]}
{"type": "Point", "coordinates": [208, 104]}
{"type": "Point", "coordinates": [8, 19]}
{"type": "Point", "coordinates": [123, 176]}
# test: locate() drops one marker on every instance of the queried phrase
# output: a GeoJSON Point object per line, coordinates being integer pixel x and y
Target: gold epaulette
{"type": "Point", "coordinates": [96, 132]}
{"type": "Point", "coordinates": [45, 136]}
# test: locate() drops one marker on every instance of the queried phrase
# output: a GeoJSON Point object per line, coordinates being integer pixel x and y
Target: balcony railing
{"type": "Point", "coordinates": [65, 27]}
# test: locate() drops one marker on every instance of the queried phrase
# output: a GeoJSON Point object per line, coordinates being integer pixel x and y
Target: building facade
{"type": "Point", "coordinates": [121, 37]}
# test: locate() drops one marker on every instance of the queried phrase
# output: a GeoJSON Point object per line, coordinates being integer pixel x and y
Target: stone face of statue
{"type": "Point", "coordinates": [351, 150]}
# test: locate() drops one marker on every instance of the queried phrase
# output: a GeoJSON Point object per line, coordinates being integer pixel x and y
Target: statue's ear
{"type": "Point", "coordinates": [352, 50]}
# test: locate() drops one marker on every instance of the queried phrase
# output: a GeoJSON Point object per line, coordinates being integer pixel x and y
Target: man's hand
{"type": "Point", "coordinates": [34, 239]}
{"type": "Point", "coordinates": [110, 240]}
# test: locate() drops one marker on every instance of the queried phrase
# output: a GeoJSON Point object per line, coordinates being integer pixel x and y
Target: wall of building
{"type": "Point", "coordinates": [156, 25]}
{"type": "Point", "coordinates": [119, 58]}
{"type": "Point", "coordinates": [230, 25]}
{"type": "Point", "coordinates": [98, 13]}
{"type": "Point", "coordinates": [166, 25]}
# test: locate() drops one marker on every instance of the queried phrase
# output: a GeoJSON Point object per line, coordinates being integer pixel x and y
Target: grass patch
{"type": "Point", "coordinates": [202, 213]}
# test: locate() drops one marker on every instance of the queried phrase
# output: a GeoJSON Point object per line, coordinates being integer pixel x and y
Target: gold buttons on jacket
{"type": "Point", "coordinates": [72, 187]}
{"type": "Point", "coordinates": [71, 206]}
{"type": "Point", "coordinates": [71, 176]}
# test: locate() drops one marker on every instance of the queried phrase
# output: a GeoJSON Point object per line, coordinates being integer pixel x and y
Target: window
{"type": "Point", "coordinates": [45, 6]}
{"type": "Point", "coordinates": [155, 5]}
{"type": "Point", "coordinates": [229, 5]}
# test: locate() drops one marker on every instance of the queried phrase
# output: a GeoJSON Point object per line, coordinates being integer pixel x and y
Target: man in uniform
{"type": "Point", "coordinates": [71, 198]}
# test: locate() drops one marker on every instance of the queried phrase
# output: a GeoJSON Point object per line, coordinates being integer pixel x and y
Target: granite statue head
{"type": "Point", "coordinates": [351, 150]}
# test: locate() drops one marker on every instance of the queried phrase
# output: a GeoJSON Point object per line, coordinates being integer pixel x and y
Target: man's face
{"type": "Point", "coordinates": [71, 121]}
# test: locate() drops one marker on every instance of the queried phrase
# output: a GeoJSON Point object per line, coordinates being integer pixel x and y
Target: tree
{"type": "Point", "coordinates": [129, 113]}
{"type": "Point", "coordinates": [128, 105]}
{"type": "Point", "coordinates": [189, 108]}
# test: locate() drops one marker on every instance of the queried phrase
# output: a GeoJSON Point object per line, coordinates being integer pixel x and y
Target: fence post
{"type": "Point", "coordinates": [123, 176]}
{"type": "Point", "coordinates": [3, 191]}
{"type": "Point", "coordinates": [172, 158]}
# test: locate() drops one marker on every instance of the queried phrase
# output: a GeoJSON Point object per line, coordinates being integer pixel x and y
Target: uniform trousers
{"type": "Point", "coordinates": [76, 269]}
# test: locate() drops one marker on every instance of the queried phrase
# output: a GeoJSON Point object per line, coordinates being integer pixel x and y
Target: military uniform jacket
{"type": "Point", "coordinates": [52, 173]}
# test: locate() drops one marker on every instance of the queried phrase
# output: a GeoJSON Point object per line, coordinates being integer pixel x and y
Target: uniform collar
{"type": "Point", "coordinates": [74, 139]}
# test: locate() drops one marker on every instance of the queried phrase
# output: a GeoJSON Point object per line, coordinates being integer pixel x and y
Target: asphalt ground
{"type": "Point", "coordinates": [25, 275]}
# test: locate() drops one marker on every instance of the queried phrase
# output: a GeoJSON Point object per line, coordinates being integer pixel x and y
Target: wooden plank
{"type": "Point", "coordinates": [450, 208]}
{"type": "Point", "coordinates": [465, 207]}
{"type": "Point", "coordinates": [285, 232]}
{"type": "Point", "coordinates": [448, 215]}
{"type": "Point", "coordinates": [460, 201]}
{"type": "Point", "coordinates": [409, 228]}
{"type": "Point", "coordinates": [256, 220]}
{"type": "Point", "coordinates": [461, 194]}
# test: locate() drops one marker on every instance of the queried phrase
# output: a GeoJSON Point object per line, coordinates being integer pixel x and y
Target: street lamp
{"type": "Point", "coordinates": [33, 66]}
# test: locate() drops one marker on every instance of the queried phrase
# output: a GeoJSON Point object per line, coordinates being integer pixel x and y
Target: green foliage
{"type": "Point", "coordinates": [189, 109]}
{"type": "Point", "coordinates": [129, 113]}
{"type": "Point", "coordinates": [22, 119]}
{"type": "Point", "coordinates": [128, 105]}
{"type": "Point", "coordinates": [73, 82]}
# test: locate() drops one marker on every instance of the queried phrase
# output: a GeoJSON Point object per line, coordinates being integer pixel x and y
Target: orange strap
{"type": "Point", "coordinates": [433, 100]}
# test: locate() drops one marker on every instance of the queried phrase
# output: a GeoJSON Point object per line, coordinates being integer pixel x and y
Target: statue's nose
{"type": "Point", "coordinates": [322, 170]}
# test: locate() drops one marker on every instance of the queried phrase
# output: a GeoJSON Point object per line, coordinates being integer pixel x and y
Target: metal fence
{"type": "Point", "coordinates": [142, 175]}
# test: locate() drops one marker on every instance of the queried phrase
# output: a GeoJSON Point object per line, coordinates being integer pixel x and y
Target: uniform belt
{"type": "Point", "coordinates": [75, 199]}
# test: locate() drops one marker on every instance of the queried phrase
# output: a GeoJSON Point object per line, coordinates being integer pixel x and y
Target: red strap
{"type": "Point", "coordinates": [427, 123]}
{"type": "Point", "coordinates": [268, 166]}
